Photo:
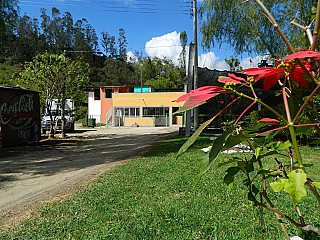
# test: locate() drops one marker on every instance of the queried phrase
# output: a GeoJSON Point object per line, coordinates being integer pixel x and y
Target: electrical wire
{"type": "Point", "coordinates": [112, 6]}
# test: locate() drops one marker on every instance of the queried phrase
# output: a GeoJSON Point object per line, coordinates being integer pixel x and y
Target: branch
{"type": "Point", "coordinates": [308, 98]}
{"type": "Point", "coordinates": [308, 228]}
{"type": "Point", "coordinates": [313, 190]}
{"type": "Point", "coordinates": [316, 28]}
{"type": "Point", "coordinates": [275, 25]}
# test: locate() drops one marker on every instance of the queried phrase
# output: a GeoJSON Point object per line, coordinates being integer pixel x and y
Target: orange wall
{"type": "Point", "coordinates": [106, 103]}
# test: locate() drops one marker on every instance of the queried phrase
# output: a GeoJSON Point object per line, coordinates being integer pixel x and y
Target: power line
{"type": "Point", "coordinates": [124, 10]}
{"type": "Point", "coordinates": [103, 4]}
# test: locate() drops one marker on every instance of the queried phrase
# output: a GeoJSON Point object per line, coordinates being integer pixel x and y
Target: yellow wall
{"type": "Point", "coordinates": [153, 99]}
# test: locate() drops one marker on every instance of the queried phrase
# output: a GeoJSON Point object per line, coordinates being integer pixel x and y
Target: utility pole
{"type": "Point", "coordinates": [189, 88]}
{"type": "Point", "coordinates": [195, 63]}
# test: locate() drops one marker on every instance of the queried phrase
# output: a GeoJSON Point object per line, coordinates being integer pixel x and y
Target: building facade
{"type": "Point", "coordinates": [120, 106]}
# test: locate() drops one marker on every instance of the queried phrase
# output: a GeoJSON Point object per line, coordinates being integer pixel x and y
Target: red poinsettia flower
{"type": "Point", "coordinates": [200, 95]}
{"type": "Point", "coordinates": [269, 74]}
{"type": "Point", "coordinates": [299, 76]}
{"type": "Point", "coordinates": [303, 54]}
{"type": "Point", "coordinates": [232, 78]}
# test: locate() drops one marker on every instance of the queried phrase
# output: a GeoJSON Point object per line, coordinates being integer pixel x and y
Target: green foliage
{"type": "Point", "coordinates": [55, 77]}
{"type": "Point", "coordinates": [152, 198]}
{"type": "Point", "coordinates": [274, 135]}
{"type": "Point", "coordinates": [241, 25]}
{"type": "Point", "coordinates": [7, 73]}
{"type": "Point", "coordinates": [294, 185]}
{"type": "Point", "coordinates": [160, 73]}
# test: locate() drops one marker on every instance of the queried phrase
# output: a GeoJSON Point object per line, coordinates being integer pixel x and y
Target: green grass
{"type": "Point", "coordinates": [153, 197]}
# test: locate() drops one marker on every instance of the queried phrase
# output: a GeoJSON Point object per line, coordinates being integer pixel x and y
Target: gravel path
{"type": "Point", "coordinates": [31, 175]}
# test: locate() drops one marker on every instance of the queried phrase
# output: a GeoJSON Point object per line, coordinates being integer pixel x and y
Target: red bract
{"type": "Point", "coordinates": [269, 74]}
{"type": "Point", "coordinates": [270, 120]}
{"type": "Point", "coordinates": [232, 78]}
{"type": "Point", "coordinates": [299, 76]}
{"type": "Point", "coordinates": [201, 95]}
{"type": "Point", "coordinates": [303, 54]}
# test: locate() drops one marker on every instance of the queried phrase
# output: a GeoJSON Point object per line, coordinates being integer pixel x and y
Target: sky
{"type": "Point", "coordinates": [152, 27]}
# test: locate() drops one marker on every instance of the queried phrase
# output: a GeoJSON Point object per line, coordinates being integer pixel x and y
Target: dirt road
{"type": "Point", "coordinates": [30, 175]}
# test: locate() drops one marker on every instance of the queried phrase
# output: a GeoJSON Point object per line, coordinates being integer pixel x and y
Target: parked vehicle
{"type": "Point", "coordinates": [56, 117]}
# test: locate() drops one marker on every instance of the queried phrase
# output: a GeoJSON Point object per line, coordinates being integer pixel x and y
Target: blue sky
{"type": "Point", "coordinates": [151, 26]}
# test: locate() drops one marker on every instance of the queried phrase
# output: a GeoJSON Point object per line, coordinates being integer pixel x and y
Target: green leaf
{"type": "Point", "coordinates": [295, 185]}
{"type": "Point", "coordinates": [217, 146]}
{"type": "Point", "coordinates": [236, 139]}
{"type": "Point", "coordinates": [229, 177]}
{"type": "Point", "coordinates": [249, 167]}
{"type": "Point", "coordinates": [257, 152]}
{"type": "Point", "coordinates": [194, 137]}
{"type": "Point", "coordinates": [204, 163]}
{"type": "Point", "coordinates": [279, 146]}
{"type": "Point", "coordinates": [251, 197]}
{"type": "Point", "coordinates": [255, 190]}
{"type": "Point", "coordinates": [316, 184]}
{"type": "Point", "coordinates": [234, 160]}
{"type": "Point", "coordinates": [278, 185]}
{"type": "Point", "coordinates": [263, 171]}
{"type": "Point", "coordinates": [315, 142]}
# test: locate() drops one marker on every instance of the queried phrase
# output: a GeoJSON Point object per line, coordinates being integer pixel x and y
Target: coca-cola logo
{"type": "Point", "coordinates": [16, 109]}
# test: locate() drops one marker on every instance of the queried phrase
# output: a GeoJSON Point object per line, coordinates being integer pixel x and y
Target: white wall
{"type": "Point", "coordinates": [94, 107]}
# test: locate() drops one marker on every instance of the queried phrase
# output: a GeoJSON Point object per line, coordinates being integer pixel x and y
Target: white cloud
{"type": "Point", "coordinates": [251, 62]}
{"type": "Point", "coordinates": [131, 57]}
{"type": "Point", "coordinates": [211, 61]}
{"type": "Point", "coordinates": [167, 46]}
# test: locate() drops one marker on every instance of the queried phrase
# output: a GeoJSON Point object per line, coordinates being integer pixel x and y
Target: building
{"type": "Point", "coordinates": [142, 106]}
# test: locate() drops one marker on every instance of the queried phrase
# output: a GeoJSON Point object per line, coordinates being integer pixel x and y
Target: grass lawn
{"type": "Point", "coordinates": [153, 197]}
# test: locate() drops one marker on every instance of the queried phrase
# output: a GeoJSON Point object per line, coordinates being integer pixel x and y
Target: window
{"type": "Point", "coordinates": [108, 93]}
{"type": "Point", "coordinates": [129, 111]}
{"type": "Point", "coordinates": [96, 93]}
{"type": "Point", "coordinates": [155, 111]}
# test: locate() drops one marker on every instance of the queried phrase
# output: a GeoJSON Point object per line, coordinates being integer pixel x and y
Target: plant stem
{"type": "Point", "coordinates": [316, 28]}
{"type": "Point", "coordinates": [275, 25]}
{"type": "Point", "coordinates": [298, 225]}
{"type": "Point", "coordinates": [291, 129]}
{"type": "Point", "coordinates": [264, 105]}
{"type": "Point", "coordinates": [313, 190]}
{"type": "Point", "coordinates": [308, 98]}
{"type": "Point", "coordinates": [278, 216]}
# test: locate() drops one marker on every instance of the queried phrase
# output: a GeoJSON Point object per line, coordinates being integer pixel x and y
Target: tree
{"type": "Point", "coordinates": [109, 44]}
{"type": "Point", "coordinates": [55, 77]}
{"type": "Point", "coordinates": [233, 63]}
{"type": "Point", "coordinates": [28, 41]}
{"type": "Point", "coordinates": [8, 18]}
{"type": "Point", "coordinates": [241, 25]}
{"type": "Point", "coordinates": [122, 44]}
{"type": "Point", "coordinates": [183, 55]}
{"type": "Point", "coordinates": [161, 73]}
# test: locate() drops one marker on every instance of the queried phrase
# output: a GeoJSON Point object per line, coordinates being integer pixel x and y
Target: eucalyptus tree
{"type": "Point", "coordinates": [108, 43]}
{"type": "Point", "coordinates": [183, 54]}
{"type": "Point", "coordinates": [122, 44]}
{"type": "Point", "coordinates": [56, 77]}
{"type": "Point", "coordinates": [241, 25]}
{"type": "Point", "coordinates": [8, 19]}
{"type": "Point", "coordinates": [68, 28]}
{"type": "Point", "coordinates": [28, 42]}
